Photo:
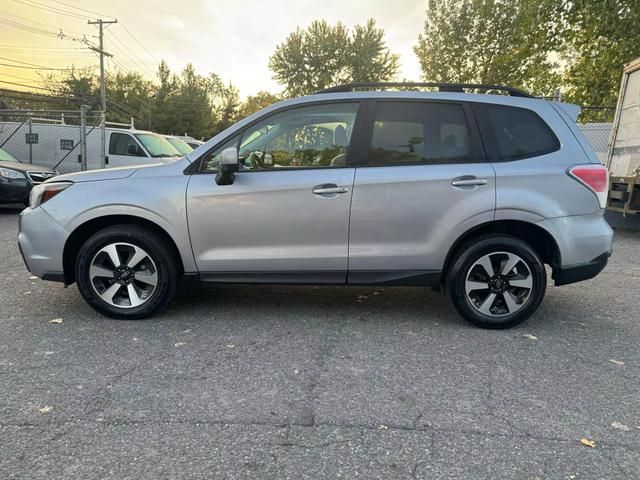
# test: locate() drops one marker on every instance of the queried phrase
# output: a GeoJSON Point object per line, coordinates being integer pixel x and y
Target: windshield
{"type": "Point", "coordinates": [157, 146]}
{"type": "Point", "coordinates": [6, 157]}
{"type": "Point", "coordinates": [182, 146]}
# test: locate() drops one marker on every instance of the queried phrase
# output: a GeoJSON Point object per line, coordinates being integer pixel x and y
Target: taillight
{"type": "Point", "coordinates": [595, 178]}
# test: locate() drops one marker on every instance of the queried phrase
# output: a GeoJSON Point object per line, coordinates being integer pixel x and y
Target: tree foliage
{"type": "Point", "coordinates": [254, 103]}
{"type": "Point", "coordinates": [600, 37]}
{"type": "Point", "coordinates": [503, 42]}
{"type": "Point", "coordinates": [323, 55]}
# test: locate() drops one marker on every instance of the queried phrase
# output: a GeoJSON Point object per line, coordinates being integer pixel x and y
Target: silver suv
{"type": "Point", "coordinates": [474, 192]}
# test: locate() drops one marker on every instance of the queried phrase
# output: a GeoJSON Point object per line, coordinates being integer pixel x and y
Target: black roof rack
{"type": "Point", "coordinates": [442, 87]}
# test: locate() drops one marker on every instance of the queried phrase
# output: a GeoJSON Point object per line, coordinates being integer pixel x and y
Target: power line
{"type": "Point", "coordinates": [27, 86]}
{"type": "Point", "coordinates": [27, 28]}
{"type": "Point", "coordinates": [81, 9]}
{"type": "Point", "coordinates": [34, 68]}
{"type": "Point", "coordinates": [40, 31]}
{"type": "Point", "coordinates": [122, 48]}
{"type": "Point", "coordinates": [140, 43]}
{"type": "Point", "coordinates": [47, 8]}
{"type": "Point", "coordinates": [29, 20]}
{"type": "Point", "coordinates": [44, 67]}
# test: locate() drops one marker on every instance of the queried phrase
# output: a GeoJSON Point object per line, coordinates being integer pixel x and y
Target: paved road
{"type": "Point", "coordinates": [304, 382]}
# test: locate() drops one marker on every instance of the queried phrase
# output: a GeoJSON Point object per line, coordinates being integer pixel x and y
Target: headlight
{"type": "Point", "coordinates": [46, 191]}
{"type": "Point", "coordinates": [12, 174]}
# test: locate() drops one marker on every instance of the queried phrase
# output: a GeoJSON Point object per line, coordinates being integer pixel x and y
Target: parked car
{"type": "Point", "coordinates": [471, 192]}
{"type": "Point", "coordinates": [17, 179]}
{"type": "Point", "coordinates": [179, 144]}
{"type": "Point", "coordinates": [192, 142]}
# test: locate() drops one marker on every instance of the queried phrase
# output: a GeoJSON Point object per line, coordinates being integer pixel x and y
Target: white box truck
{"type": "Point", "coordinates": [623, 160]}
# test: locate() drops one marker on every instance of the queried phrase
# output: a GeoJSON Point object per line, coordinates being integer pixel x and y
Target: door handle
{"type": "Point", "coordinates": [329, 189]}
{"type": "Point", "coordinates": [469, 182]}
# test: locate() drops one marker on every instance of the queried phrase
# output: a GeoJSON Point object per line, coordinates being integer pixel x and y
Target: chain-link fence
{"type": "Point", "coordinates": [53, 138]}
{"type": "Point", "coordinates": [598, 135]}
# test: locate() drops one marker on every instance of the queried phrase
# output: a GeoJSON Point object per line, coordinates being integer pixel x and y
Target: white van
{"type": "Point", "coordinates": [57, 146]}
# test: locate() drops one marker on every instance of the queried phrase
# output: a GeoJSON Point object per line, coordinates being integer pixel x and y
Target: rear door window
{"type": "Point", "coordinates": [512, 133]}
{"type": "Point", "coordinates": [406, 133]}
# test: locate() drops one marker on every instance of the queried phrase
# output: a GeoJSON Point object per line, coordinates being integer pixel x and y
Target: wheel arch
{"type": "Point", "coordinates": [83, 231]}
{"type": "Point", "coordinates": [537, 237]}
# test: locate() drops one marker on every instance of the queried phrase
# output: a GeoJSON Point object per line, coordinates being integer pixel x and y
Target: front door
{"type": "Point", "coordinates": [425, 183]}
{"type": "Point", "coordinates": [285, 218]}
{"type": "Point", "coordinates": [124, 150]}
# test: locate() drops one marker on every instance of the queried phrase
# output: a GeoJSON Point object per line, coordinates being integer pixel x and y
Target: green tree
{"type": "Point", "coordinates": [323, 55]}
{"type": "Point", "coordinates": [601, 36]}
{"type": "Point", "coordinates": [506, 42]}
{"type": "Point", "coordinates": [129, 95]}
{"type": "Point", "coordinates": [186, 103]}
{"type": "Point", "coordinates": [254, 103]}
{"type": "Point", "coordinates": [369, 59]}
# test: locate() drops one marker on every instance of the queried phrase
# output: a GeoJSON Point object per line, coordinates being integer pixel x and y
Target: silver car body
{"type": "Point", "coordinates": [394, 222]}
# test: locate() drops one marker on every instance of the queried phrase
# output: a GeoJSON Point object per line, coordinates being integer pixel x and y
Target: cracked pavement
{"type": "Point", "coordinates": [269, 382]}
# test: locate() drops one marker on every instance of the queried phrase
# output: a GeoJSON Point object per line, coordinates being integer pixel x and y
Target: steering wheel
{"type": "Point", "coordinates": [256, 157]}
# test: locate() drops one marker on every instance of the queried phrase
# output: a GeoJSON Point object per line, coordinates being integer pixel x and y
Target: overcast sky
{"type": "Point", "coordinates": [231, 38]}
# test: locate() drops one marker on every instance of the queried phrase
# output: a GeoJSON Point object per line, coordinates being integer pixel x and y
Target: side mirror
{"type": "Point", "coordinates": [228, 165]}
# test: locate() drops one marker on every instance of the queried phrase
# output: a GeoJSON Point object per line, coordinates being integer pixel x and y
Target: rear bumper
{"type": "Point", "coordinates": [41, 241]}
{"type": "Point", "coordinates": [578, 273]}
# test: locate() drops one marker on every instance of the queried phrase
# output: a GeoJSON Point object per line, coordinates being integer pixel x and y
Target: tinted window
{"type": "Point", "coordinates": [419, 132]}
{"type": "Point", "coordinates": [119, 144]}
{"type": "Point", "coordinates": [511, 133]}
{"type": "Point", "coordinates": [312, 136]}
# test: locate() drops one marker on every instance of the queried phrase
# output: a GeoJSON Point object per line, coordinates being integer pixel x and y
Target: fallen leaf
{"type": "Point", "coordinates": [529, 336]}
{"type": "Point", "coordinates": [620, 426]}
{"type": "Point", "coordinates": [45, 409]}
{"type": "Point", "coordinates": [56, 320]}
{"type": "Point", "coordinates": [231, 345]}
{"type": "Point", "coordinates": [383, 427]}
{"type": "Point", "coordinates": [178, 344]}
{"type": "Point", "coordinates": [617, 362]}
{"type": "Point", "coordinates": [588, 443]}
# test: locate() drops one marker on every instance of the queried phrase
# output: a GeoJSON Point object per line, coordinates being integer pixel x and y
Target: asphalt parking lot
{"type": "Point", "coordinates": [331, 382]}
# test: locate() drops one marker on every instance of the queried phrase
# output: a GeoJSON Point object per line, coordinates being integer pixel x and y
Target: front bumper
{"type": "Point", "coordinates": [41, 241]}
{"type": "Point", "coordinates": [14, 191]}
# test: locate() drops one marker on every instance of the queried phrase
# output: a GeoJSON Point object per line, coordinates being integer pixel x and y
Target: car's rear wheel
{"type": "Point", "coordinates": [496, 281]}
{"type": "Point", "coordinates": [126, 272]}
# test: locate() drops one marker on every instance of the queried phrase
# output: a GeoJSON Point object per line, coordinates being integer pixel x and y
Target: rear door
{"type": "Point", "coordinates": [424, 183]}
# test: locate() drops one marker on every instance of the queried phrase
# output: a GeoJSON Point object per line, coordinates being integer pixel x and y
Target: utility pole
{"type": "Point", "coordinates": [103, 91]}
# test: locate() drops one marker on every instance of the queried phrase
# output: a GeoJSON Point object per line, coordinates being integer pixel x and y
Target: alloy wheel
{"type": "Point", "coordinates": [499, 284]}
{"type": "Point", "coordinates": [123, 275]}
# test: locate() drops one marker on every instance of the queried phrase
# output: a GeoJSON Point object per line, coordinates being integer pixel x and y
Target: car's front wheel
{"type": "Point", "coordinates": [496, 281]}
{"type": "Point", "coordinates": [127, 272]}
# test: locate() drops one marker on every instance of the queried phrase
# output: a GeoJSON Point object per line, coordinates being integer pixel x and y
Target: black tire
{"type": "Point", "coordinates": [464, 260]}
{"type": "Point", "coordinates": [155, 246]}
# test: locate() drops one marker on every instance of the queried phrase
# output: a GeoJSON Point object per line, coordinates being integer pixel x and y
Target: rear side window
{"type": "Point", "coordinates": [512, 133]}
{"type": "Point", "coordinates": [419, 133]}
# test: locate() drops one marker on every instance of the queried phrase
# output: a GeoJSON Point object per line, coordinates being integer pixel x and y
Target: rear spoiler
{"type": "Point", "coordinates": [570, 109]}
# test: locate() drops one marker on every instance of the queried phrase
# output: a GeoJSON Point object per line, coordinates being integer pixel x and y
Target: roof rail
{"type": "Point", "coordinates": [441, 86]}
